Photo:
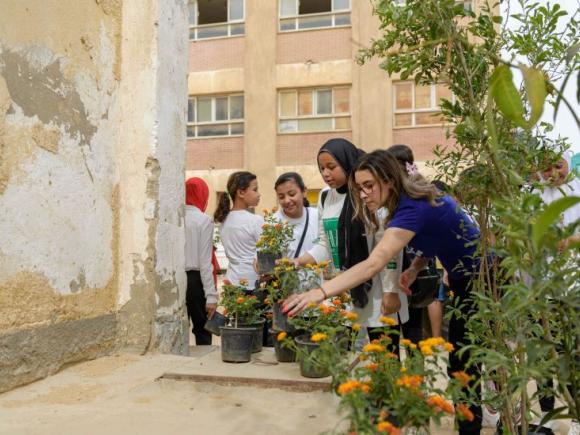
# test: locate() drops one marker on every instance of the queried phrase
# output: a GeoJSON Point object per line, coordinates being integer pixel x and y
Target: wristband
{"type": "Point", "coordinates": [323, 292]}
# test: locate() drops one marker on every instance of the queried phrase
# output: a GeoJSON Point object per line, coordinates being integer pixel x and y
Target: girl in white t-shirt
{"type": "Point", "coordinates": [295, 209]}
{"type": "Point", "coordinates": [240, 229]}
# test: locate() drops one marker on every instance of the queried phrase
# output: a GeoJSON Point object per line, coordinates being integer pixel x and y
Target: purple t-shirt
{"type": "Point", "coordinates": [445, 231]}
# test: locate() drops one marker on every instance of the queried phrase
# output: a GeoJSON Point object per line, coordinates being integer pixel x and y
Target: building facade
{"type": "Point", "coordinates": [271, 80]}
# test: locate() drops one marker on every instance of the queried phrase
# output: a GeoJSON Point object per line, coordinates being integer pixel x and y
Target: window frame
{"type": "Point", "coordinates": [434, 107]}
{"type": "Point", "coordinates": [194, 29]}
{"type": "Point", "coordinates": [229, 122]}
{"type": "Point", "coordinates": [296, 17]}
{"type": "Point", "coordinates": [332, 115]}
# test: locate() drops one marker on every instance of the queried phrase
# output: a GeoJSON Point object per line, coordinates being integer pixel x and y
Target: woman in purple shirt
{"type": "Point", "coordinates": [430, 223]}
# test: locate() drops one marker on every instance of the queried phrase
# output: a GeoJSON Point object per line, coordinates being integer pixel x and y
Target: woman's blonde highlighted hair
{"type": "Point", "coordinates": [384, 167]}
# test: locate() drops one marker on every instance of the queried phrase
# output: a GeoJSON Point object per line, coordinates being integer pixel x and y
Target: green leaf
{"type": "Point", "coordinates": [536, 90]}
{"type": "Point", "coordinates": [550, 214]}
{"type": "Point", "coordinates": [571, 51]}
{"type": "Point", "coordinates": [506, 96]}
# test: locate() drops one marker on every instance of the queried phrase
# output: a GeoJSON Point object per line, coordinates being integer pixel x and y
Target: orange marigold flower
{"type": "Point", "coordinates": [372, 367]}
{"type": "Point", "coordinates": [356, 327]}
{"type": "Point", "coordinates": [412, 382]}
{"type": "Point", "coordinates": [462, 377]}
{"type": "Point", "coordinates": [388, 428]}
{"type": "Point", "coordinates": [427, 350]}
{"type": "Point", "coordinates": [336, 302]}
{"type": "Point", "coordinates": [465, 412]}
{"type": "Point", "coordinates": [406, 342]}
{"type": "Point", "coordinates": [372, 347]}
{"type": "Point", "coordinates": [281, 336]}
{"type": "Point", "coordinates": [389, 321]}
{"type": "Point", "coordinates": [319, 336]}
{"type": "Point", "coordinates": [392, 355]}
{"type": "Point", "coordinates": [440, 404]}
{"type": "Point", "coordinates": [241, 300]}
{"type": "Point", "coordinates": [264, 226]}
{"type": "Point", "coordinates": [448, 347]}
{"type": "Point", "coordinates": [352, 385]}
{"type": "Point", "coordinates": [413, 346]}
{"type": "Point", "coordinates": [274, 209]}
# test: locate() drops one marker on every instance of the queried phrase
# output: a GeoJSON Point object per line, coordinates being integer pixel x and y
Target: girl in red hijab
{"type": "Point", "coordinates": [200, 262]}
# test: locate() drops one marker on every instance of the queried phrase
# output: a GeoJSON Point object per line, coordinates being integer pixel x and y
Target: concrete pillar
{"type": "Point", "coordinates": [260, 94]}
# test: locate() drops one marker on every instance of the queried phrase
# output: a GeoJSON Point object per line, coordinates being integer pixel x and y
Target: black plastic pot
{"type": "Point", "coordinates": [307, 368]}
{"type": "Point", "coordinates": [280, 319]}
{"type": "Point", "coordinates": [283, 354]}
{"type": "Point", "coordinates": [267, 262]}
{"type": "Point", "coordinates": [213, 325]}
{"type": "Point", "coordinates": [258, 331]}
{"type": "Point", "coordinates": [236, 343]}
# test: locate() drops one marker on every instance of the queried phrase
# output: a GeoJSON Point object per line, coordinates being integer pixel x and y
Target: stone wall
{"type": "Point", "coordinates": [92, 138]}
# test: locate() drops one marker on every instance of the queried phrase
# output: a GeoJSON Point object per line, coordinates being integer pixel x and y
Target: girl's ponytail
{"type": "Point", "coordinates": [223, 208]}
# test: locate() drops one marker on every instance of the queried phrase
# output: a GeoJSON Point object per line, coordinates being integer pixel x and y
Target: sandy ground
{"type": "Point", "coordinates": [120, 395]}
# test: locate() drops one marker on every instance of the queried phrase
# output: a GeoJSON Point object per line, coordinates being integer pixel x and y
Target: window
{"type": "Point", "coordinates": [313, 14]}
{"type": "Point", "coordinates": [419, 104]}
{"type": "Point", "coordinates": [312, 110]}
{"type": "Point", "coordinates": [215, 116]}
{"type": "Point", "coordinates": [215, 18]}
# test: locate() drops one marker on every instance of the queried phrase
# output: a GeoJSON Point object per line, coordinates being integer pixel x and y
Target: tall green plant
{"type": "Point", "coordinates": [525, 325]}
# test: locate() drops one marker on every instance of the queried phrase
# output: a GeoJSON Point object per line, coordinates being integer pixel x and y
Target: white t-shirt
{"type": "Point", "coordinates": [299, 223]}
{"type": "Point", "coordinates": [239, 233]}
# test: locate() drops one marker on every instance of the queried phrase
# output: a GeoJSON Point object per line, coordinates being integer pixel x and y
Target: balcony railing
{"type": "Point", "coordinates": [314, 21]}
{"type": "Point", "coordinates": [216, 30]}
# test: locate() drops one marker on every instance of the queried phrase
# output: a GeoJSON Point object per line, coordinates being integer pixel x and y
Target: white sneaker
{"type": "Point", "coordinates": [489, 417]}
{"type": "Point", "coordinates": [574, 428]}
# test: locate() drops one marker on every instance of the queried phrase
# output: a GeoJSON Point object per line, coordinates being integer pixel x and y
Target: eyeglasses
{"type": "Point", "coordinates": [367, 188]}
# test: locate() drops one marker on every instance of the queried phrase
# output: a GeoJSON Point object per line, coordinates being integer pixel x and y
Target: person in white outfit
{"type": "Point", "coordinates": [295, 209]}
{"type": "Point", "coordinates": [240, 229]}
{"type": "Point", "coordinates": [201, 295]}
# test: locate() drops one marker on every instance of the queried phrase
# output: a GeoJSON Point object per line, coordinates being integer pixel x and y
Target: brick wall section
{"type": "Point", "coordinates": [316, 45]}
{"type": "Point", "coordinates": [421, 140]}
{"type": "Point", "coordinates": [301, 149]}
{"type": "Point", "coordinates": [216, 54]}
{"type": "Point", "coordinates": [215, 153]}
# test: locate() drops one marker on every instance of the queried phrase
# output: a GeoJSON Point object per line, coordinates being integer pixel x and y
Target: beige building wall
{"type": "Point", "coordinates": [273, 61]}
{"type": "Point", "coordinates": [92, 133]}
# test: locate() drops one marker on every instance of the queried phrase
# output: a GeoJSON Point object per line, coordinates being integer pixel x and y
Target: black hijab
{"type": "Point", "coordinates": [352, 242]}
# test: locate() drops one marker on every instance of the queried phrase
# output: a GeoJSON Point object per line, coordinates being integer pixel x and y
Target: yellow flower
{"type": "Point", "coordinates": [372, 347]}
{"type": "Point", "coordinates": [281, 336]}
{"type": "Point", "coordinates": [274, 209]}
{"type": "Point", "coordinates": [412, 382]}
{"type": "Point", "coordinates": [413, 346]}
{"type": "Point", "coordinates": [319, 336]}
{"type": "Point", "coordinates": [311, 305]}
{"type": "Point", "coordinates": [406, 342]}
{"type": "Point", "coordinates": [450, 294]}
{"type": "Point", "coordinates": [389, 321]}
{"type": "Point", "coordinates": [448, 347]}
{"type": "Point", "coordinates": [243, 282]}
{"type": "Point", "coordinates": [403, 369]}
{"type": "Point", "coordinates": [427, 350]}
{"type": "Point", "coordinates": [356, 327]}
{"type": "Point", "coordinates": [349, 315]}
{"type": "Point", "coordinates": [275, 284]}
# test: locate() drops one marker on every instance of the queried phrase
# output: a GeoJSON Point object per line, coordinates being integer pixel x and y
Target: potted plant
{"type": "Point", "coordinates": [327, 331]}
{"type": "Point", "coordinates": [273, 243]}
{"type": "Point", "coordinates": [245, 320]}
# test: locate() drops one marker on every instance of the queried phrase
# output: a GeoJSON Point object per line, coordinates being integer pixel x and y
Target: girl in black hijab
{"type": "Point", "coordinates": [342, 239]}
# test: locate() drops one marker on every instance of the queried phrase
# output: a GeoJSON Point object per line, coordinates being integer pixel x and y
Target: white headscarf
{"type": "Point", "coordinates": [572, 188]}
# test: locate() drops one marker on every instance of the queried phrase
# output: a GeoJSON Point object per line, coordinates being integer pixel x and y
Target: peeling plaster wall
{"type": "Point", "coordinates": [92, 138]}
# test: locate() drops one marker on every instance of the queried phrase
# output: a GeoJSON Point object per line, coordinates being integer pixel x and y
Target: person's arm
{"type": "Point", "coordinates": [409, 275]}
{"type": "Point", "coordinates": [391, 302]}
{"type": "Point", "coordinates": [205, 249]}
{"type": "Point", "coordinates": [393, 241]}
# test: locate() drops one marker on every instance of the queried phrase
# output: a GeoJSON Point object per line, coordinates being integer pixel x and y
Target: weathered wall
{"type": "Point", "coordinates": [92, 138]}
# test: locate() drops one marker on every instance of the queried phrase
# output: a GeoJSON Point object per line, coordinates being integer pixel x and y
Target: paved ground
{"type": "Point", "coordinates": [127, 394]}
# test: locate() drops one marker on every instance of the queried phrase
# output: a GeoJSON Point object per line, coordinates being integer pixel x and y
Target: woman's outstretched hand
{"type": "Point", "coordinates": [294, 304]}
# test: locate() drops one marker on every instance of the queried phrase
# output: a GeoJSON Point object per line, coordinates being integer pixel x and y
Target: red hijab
{"type": "Point", "coordinates": [197, 194]}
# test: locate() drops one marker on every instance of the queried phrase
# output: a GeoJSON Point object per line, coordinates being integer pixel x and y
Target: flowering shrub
{"type": "Point", "coordinates": [276, 235]}
{"type": "Point", "coordinates": [326, 317]}
{"type": "Point", "coordinates": [238, 305]}
{"type": "Point", "coordinates": [385, 394]}
{"type": "Point", "coordinates": [289, 279]}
